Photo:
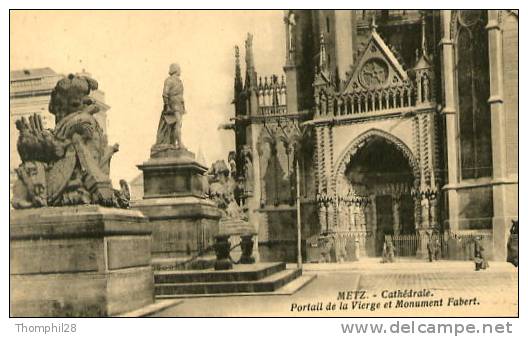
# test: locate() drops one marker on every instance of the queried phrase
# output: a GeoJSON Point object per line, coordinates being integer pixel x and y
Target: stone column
{"type": "Point", "coordinates": [501, 218]}
{"type": "Point", "coordinates": [417, 211]}
{"type": "Point", "coordinates": [424, 203]}
{"type": "Point", "coordinates": [449, 113]}
{"type": "Point", "coordinates": [362, 228]}
{"type": "Point", "coordinates": [374, 223]}
{"type": "Point", "coordinates": [344, 217]}
{"type": "Point", "coordinates": [323, 211]}
{"type": "Point", "coordinates": [374, 214]}
{"type": "Point", "coordinates": [331, 212]}
{"type": "Point", "coordinates": [253, 203]}
{"type": "Point", "coordinates": [433, 211]}
{"type": "Point", "coordinates": [396, 213]}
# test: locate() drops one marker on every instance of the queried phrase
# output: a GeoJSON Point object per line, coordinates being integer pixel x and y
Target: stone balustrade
{"type": "Point", "coordinates": [365, 101]}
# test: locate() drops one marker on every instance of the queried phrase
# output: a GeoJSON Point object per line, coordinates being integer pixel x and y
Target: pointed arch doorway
{"type": "Point", "coordinates": [377, 174]}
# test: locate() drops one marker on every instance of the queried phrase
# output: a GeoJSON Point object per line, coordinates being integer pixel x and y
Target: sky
{"type": "Point", "coordinates": [129, 52]}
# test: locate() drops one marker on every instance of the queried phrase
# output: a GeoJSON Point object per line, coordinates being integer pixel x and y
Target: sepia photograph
{"type": "Point", "coordinates": [264, 163]}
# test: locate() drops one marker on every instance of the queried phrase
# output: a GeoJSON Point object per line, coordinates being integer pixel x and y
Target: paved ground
{"type": "Point", "coordinates": [453, 289]}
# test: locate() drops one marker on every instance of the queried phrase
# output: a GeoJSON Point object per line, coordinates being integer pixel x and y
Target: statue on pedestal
{"type": "Point", "coordinates": [234, 220]}
{"type": "Point", "coordinates": [69, 165]}
{"type": "Point", "coordinates": [169, 129]}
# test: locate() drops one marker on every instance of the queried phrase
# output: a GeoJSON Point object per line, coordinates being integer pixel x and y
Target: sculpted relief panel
{"type": "Point", "coordinates": [374, 73]}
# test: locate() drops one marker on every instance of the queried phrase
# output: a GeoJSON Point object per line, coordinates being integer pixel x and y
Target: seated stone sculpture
{"type": "Point", "coordinates": [222, 191]}
{"type": "Point", "coordinates": [70, 164]}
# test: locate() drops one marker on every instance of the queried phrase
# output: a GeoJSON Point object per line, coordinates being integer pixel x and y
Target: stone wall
{"type": "Point", "coordinates": [79, 261]}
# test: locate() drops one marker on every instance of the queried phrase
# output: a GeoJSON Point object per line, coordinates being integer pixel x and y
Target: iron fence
{"type": "Point", "coordinates": [452, 245]}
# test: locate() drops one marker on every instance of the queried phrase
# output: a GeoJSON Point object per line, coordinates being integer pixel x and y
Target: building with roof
{"type": "Point", "coordinates": [404, 125]}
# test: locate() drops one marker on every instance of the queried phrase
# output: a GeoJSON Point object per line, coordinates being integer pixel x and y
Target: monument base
{"type": "Point", "coordinates": [181, 226]}
{"type": "Point", "coordinates": [79, 261]}
{"type": "Point", "coordinates": [172, 172]}
{"type": "Point", "coordinates": [184, 223]}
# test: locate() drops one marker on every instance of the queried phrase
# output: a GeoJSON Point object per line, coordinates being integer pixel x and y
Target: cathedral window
{"type": "Point", "coordinates": [473, 93]}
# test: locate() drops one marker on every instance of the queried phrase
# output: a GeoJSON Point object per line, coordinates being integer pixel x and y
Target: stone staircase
{"type": "Point", "coordinates": [242, 279]}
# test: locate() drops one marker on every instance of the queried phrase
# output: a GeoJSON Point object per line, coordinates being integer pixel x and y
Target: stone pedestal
{"type": "Point", "coordinates": [181, 226]}
{"type": "Point", "coordinates": [242, 232]}
{"type": "Point", "coordinates": [222, 249]}
{"type": "Point", "coordinates": [172, 172]}
{"type": "Point", "coordinates": [183, 221]}
{"type": "Point", "coordinates": [79, 261]}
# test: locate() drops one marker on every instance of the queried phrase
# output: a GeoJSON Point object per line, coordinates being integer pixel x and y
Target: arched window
{"type": "Point", "coordinates": [473, 93]}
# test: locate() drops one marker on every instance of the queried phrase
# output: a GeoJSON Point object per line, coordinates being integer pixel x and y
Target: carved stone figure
{"type": "Point", "coordinates": [426, 87]}
{"type": "Point", "coordinates": [123, 194]}
{"type": "Point", "coordinates": [70, 164]}
{"type": "Point", "coordinates": [169, 129]}
{"type": "Point", "coordinates": [222, 191]}
{"type": "Point", "coordinates": [231, 158]}
{"type": "Point", "coordinates": [374, 73]}
{"type": "Point", "coordinates": [424, 203]}
{"type": "Point", "coordinates": [247, 169]}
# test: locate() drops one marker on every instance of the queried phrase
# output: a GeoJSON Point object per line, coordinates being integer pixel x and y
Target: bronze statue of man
{"type": "Point", "coordinates": [169, 129]}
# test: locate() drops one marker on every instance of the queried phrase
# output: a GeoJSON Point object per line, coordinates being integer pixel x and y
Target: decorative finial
{"type": "Point", "coordinates": [424, 42]}
{"type": "Point", "coordinates": [373, 24]}
{"type": "Point", "coordinates": [322, 52]}
{"type": "Point", "coordinates": [290, 21]}
{"type": "Point", "coordinates": [238, 75]}
{"type": "Point", "coordinates": [251, 74]}
{"type": "Point", "coordinates": [249, 51]}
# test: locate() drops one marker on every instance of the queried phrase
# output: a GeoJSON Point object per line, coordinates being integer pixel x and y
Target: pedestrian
{"type": "Point", "coordinates": [480, 258]}
{"type": "Point", "coordinates": [431, 248]}
{"type": "Point", "coordinates": [513, 244]}
{"type": "Point", "coordinates": [388, 252]}
{"type": "Point", "coordinates": [356, 249]}
{"type": "Point", "coordinates": [438, 249]}
{"type": "Point", "coordinates": [384, 253]}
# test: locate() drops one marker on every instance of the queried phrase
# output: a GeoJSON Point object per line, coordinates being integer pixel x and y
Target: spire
{"type": "Point", "coordinates": [424, 42]}
{"type": "Point", "coordinates": [249, 52]}
{"type": "Point", "coordinates": [290, 21]}
{"type": "Point", "coordinates": [251, 74]}
{"type": "Point", "coordinates": [322, 53]}
{"type": "Point", "coordinates": [322, 76]}
{"type": "Point", "coordinates": [422, 56]}
{"type": "Point", "coordinates": [238, 76]}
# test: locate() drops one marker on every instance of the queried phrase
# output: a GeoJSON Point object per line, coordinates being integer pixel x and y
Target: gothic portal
{"type": "Point", "coordinates": [401, 123]}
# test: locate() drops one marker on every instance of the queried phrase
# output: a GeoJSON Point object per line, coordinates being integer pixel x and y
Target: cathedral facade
{"type": "Point", "coordinates": [400, 124]}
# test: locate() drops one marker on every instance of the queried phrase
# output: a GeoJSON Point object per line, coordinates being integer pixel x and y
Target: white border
{"type": "Point", "coordinates": [228, 327]}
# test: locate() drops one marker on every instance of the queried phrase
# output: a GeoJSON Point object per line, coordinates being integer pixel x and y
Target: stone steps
{"type": "Point", "coordinates": [267, 278]}
{"type": "Point", "coordinates": [242, 273]}
{"type": "Point", "coordinates": [180, 264]}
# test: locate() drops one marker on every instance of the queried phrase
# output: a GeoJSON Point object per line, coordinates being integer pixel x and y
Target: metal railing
{"type": "Point", "coordinates": [453, 245]}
